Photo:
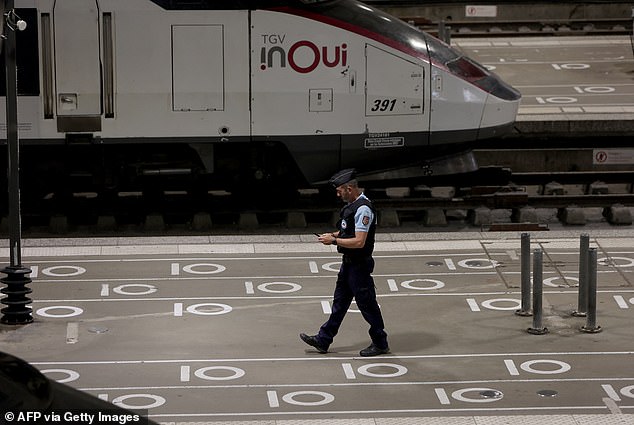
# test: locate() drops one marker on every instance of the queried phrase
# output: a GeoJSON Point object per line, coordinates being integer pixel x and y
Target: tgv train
{"type": "Point", "coordinates": [113, 92]}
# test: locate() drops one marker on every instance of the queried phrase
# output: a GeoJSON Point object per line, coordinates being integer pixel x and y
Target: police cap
{"type": "Point", "coordinates": [343, 177]}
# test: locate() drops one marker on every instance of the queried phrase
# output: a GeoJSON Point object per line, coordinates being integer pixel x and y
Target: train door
{"type": "Point", "coordinates": [396, 109]}
{"type": "Point", "coordinates": [394, 88]}
{"type": "Point", "coordinates": [77, 90]}
{"type": "Point", "coordinates": [198, 73]}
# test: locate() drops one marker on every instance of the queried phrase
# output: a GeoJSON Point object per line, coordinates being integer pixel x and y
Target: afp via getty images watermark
{"type": "Point", "coordinates": [75, 417]}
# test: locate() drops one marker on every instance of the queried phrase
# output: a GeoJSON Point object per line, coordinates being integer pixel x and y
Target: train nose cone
{"type": "Point", "coordinates": [500, 109]}
{"type": "Point", "coordinates": [498, 88]}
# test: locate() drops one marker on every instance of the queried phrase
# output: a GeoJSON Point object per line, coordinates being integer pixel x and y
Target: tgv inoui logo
{"type": "Point", "coordinates": [302, 56]}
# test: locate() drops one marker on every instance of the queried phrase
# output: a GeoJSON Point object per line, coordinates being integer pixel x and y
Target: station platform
{"type": "Point", "coordinates": [205, 329]}
{"type": "Point", "coordinates": [579, 85]}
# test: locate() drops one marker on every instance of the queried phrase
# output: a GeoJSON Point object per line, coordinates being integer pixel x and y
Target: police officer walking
{"type": "Point", "coordinates": [355, 240]}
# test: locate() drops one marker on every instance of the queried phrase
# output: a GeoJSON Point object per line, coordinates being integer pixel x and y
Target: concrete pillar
{"type": "Point", "coordinates": [296, 220]}
{"type": "Point", "coordinates": [553, 188]}
{"type": "Point", "coordinates": [389, 218]}
{"type": "Point", "coordinates": [106, 222]}
{"type": "Point", "coordinates": [434, 217]}
{"type": "Point", "coordinates": [572, 215]}
{"type": "Point", "coordinates": [618, 214]}
{"type": "Point", "coordinates": [480, 216]}
{"type": "Point", "coordinates": [58, 224]}
{"type": "Point", "coordinates": [154, 223]}
{"type": "Point", "coordinates": [248, 221]}
{"type": "Point", "coordinates": [201, 221]}
{"type": "Point", "coordinates": [525, 215]}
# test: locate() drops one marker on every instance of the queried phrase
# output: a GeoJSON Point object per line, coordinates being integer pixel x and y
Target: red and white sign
{"type": "Point", "coordinates": [481, 11]}
{"type": "Point", "coordinates": [613, 156]}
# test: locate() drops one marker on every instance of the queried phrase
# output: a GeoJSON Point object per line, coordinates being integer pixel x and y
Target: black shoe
{"type": "Point", "coordinates": [373, 350]}
{"type": "Point", "coordinates": [314, 342]}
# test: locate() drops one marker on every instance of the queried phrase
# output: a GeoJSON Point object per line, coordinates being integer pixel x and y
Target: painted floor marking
{"type": "Point", "coordinates": [329, 359]}
{"type": "Point", "coordinates": [471, 302]}
{"type": "Point", "coordinates": [601, 408]}
{"type": "Point", "coordinates": [612, 407]}
{"type": "Point", "coordinates": [72, 333]}
{"type": "Point", "coordinates": [317, 256]}
{"type": "Point", "coordinates": [185, 377]}
{"type": "Point", "coordinates": [355, 384]}
{"type": "Point", "coordinates": [325, 276]}
{"type": "Point", "coordinates": [248, 257]}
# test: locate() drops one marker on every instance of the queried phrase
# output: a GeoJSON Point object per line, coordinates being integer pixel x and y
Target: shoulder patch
{"type": "Point", "coordinates": [366, 220]}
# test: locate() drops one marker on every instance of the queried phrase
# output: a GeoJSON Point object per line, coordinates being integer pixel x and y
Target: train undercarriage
{"type": "Point", "coordinates": [256, 169]}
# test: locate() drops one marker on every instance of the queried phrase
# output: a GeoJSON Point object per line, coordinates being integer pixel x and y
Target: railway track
{"type": "Point", "coordinates": [522, 27]}
{"type": "Point", "coordinates": [535, 200]}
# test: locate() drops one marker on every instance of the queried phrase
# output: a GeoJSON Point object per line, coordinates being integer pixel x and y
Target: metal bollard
{"type": "Point", "coordinates": [537, 328]}
{"type": "Point", "coordinates": [17, 311]}
{"type": "Point", "coordinates": [525, 276]}
{"type": "Point", "coordinates": [582, 304]}
{"type": "Point", "coordinates": [591, 319]}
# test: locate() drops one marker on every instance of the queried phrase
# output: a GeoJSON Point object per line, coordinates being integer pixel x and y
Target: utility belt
{"type": "Point", "coordinates": [355, 259]}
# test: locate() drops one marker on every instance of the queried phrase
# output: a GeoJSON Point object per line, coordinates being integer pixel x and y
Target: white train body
{"type": "Point", "coordinates": [319, 85]}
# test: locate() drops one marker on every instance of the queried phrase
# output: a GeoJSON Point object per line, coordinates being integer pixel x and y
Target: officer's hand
{"type": "Point", "coordinates": [326, 238]}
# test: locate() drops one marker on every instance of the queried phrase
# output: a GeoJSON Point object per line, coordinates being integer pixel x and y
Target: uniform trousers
{"type": "Point", "coordinates": [355, 281]}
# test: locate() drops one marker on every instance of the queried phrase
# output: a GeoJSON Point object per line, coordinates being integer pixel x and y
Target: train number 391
{"type": "Point", "coordinates": [384, 105]}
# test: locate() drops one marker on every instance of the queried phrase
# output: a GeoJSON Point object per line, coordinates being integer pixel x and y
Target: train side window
{"type": "Point", "coordinates": [27, 56]}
